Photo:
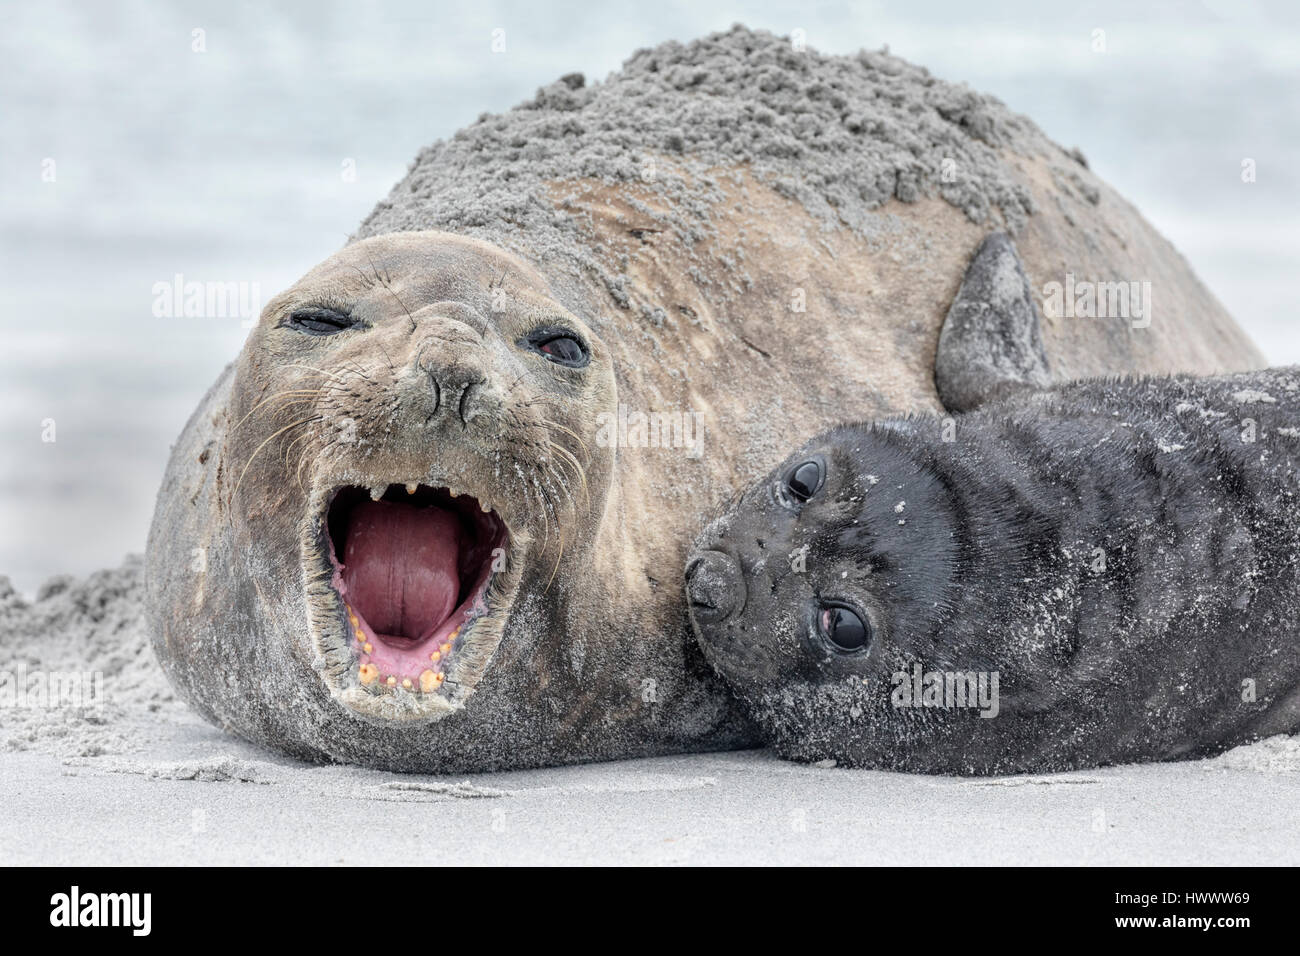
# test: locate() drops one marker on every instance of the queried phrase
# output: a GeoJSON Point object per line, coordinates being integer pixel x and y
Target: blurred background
{"type": "Point", "coordinates": [128, 157]}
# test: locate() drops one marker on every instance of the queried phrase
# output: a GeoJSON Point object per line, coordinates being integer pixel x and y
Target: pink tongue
{"type": "Point", "coordinates": [399, 566]}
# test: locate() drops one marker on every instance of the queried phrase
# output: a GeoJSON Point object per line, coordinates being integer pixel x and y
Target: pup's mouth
{"type": "Point", "coordinates": [420, 579]}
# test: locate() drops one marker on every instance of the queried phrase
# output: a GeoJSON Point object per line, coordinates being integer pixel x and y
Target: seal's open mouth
{"type": "Point", "coordinates": [413, 570]}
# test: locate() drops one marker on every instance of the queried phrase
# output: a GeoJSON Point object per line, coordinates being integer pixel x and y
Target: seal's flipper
{"type": "Point", "coordinates": [991, 343]}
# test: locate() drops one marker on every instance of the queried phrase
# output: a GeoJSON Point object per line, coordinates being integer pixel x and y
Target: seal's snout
{"type": "Point", "coordinates": [714, 587]}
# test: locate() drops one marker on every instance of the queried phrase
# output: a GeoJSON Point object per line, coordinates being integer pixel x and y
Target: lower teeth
{"type": "Point", "coordinates": [368, 675]}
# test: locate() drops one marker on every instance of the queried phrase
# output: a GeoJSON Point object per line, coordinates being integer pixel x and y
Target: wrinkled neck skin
{"type": "Point", "coordinates": [1123, 565]}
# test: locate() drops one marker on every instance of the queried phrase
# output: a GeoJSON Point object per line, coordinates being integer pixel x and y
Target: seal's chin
{"type": "Point", "coordinates": [419, 583]}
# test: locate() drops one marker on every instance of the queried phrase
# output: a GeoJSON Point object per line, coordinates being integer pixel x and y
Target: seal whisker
{"type": "Point", "coordinates": [562, 481]}
{"type": "Point", "coordinates": [302, 458]}
{"type": "Point", "coordinates": [313, 368]}
{"type": "Point", "coordinates": [385, 282]}
{"type": "Point", "coordinates": [559, 537]}
{"type": "Point", "coordinates": [568, 457]}
{"type": "Point", "coordinates": [560, 478]}
{"type": "Point", "coordinates": [283, 407]}
{"type": "Point", "coordinates": [541, 505]}
{"type": "Point", "coordinates": [302, 421]}
{"type": "Point", "coordinates": [546, 522]}
{"type": "Point", "coordinates": [356, 368]}
{"type": "Point", "coordinates": [368, 280]}
{"type": "Point", "coordinates": [308, 393]}
{"type": "Point", "coordinates": [507, 393]}
{"type": "Point", "coordinates": [571, 432]}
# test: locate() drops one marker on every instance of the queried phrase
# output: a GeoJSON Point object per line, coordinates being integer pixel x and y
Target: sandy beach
{"type": "Point", "coordinates": [197, 796]}
{"type": "Point", "coordinates": [136, 778]}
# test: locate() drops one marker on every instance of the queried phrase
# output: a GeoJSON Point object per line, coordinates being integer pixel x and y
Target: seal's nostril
{"type": "Point", "coordinates": [466, 411]}
{"type": "Point", "coordinates": [714, 587]}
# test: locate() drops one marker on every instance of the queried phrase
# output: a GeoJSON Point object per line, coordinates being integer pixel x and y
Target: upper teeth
{"type": "Point", "coordinates": [377, 493]}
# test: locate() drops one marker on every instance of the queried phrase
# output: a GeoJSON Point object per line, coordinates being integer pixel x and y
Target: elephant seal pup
{"type": "Point", "coordinates": [1093, 573]}
{"type": "Point", "coordinates": [1104, 572]}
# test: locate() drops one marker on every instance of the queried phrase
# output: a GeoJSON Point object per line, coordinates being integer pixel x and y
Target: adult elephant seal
{"type": "Point", "coordinates": [397, 483]}
{"type": "Point", "coordinates": [1064, 576]}
{"type": "Point", "coordinates": [733, 285]}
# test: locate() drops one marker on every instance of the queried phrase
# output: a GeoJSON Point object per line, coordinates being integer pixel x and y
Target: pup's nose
{"type": "Point", "coordinates": [714, 587]}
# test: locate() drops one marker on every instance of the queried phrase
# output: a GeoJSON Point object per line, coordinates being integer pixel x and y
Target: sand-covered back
{"type": "Point", "coordinates": [840, 135]}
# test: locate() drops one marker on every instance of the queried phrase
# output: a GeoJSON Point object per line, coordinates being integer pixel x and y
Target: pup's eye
{"type": "Point", "coordinates": [317, 320]}
{"type": "Point", "coordinates": [802, 483]}
{"type": "Point", "coordinates": [843, 629]}
{"type": "Point", "coordinates": [558, 346]}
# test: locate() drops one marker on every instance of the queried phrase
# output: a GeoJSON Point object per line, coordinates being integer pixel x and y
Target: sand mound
{"type": "Point", "coordinates": [77, 675]}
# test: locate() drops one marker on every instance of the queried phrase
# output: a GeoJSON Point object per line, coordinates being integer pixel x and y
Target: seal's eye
{"type": "Point", "coordinates": [558, 346]}
{"type": "Point", "coordinates": [843, 629]}
{"type": "Point", "coordinates": [317, 320]}
{"type": "Point", "coordinates": [802, 483]}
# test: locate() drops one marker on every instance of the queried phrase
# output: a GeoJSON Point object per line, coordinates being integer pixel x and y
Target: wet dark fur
{"type": "Point", "coordinates": [995, 568]}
